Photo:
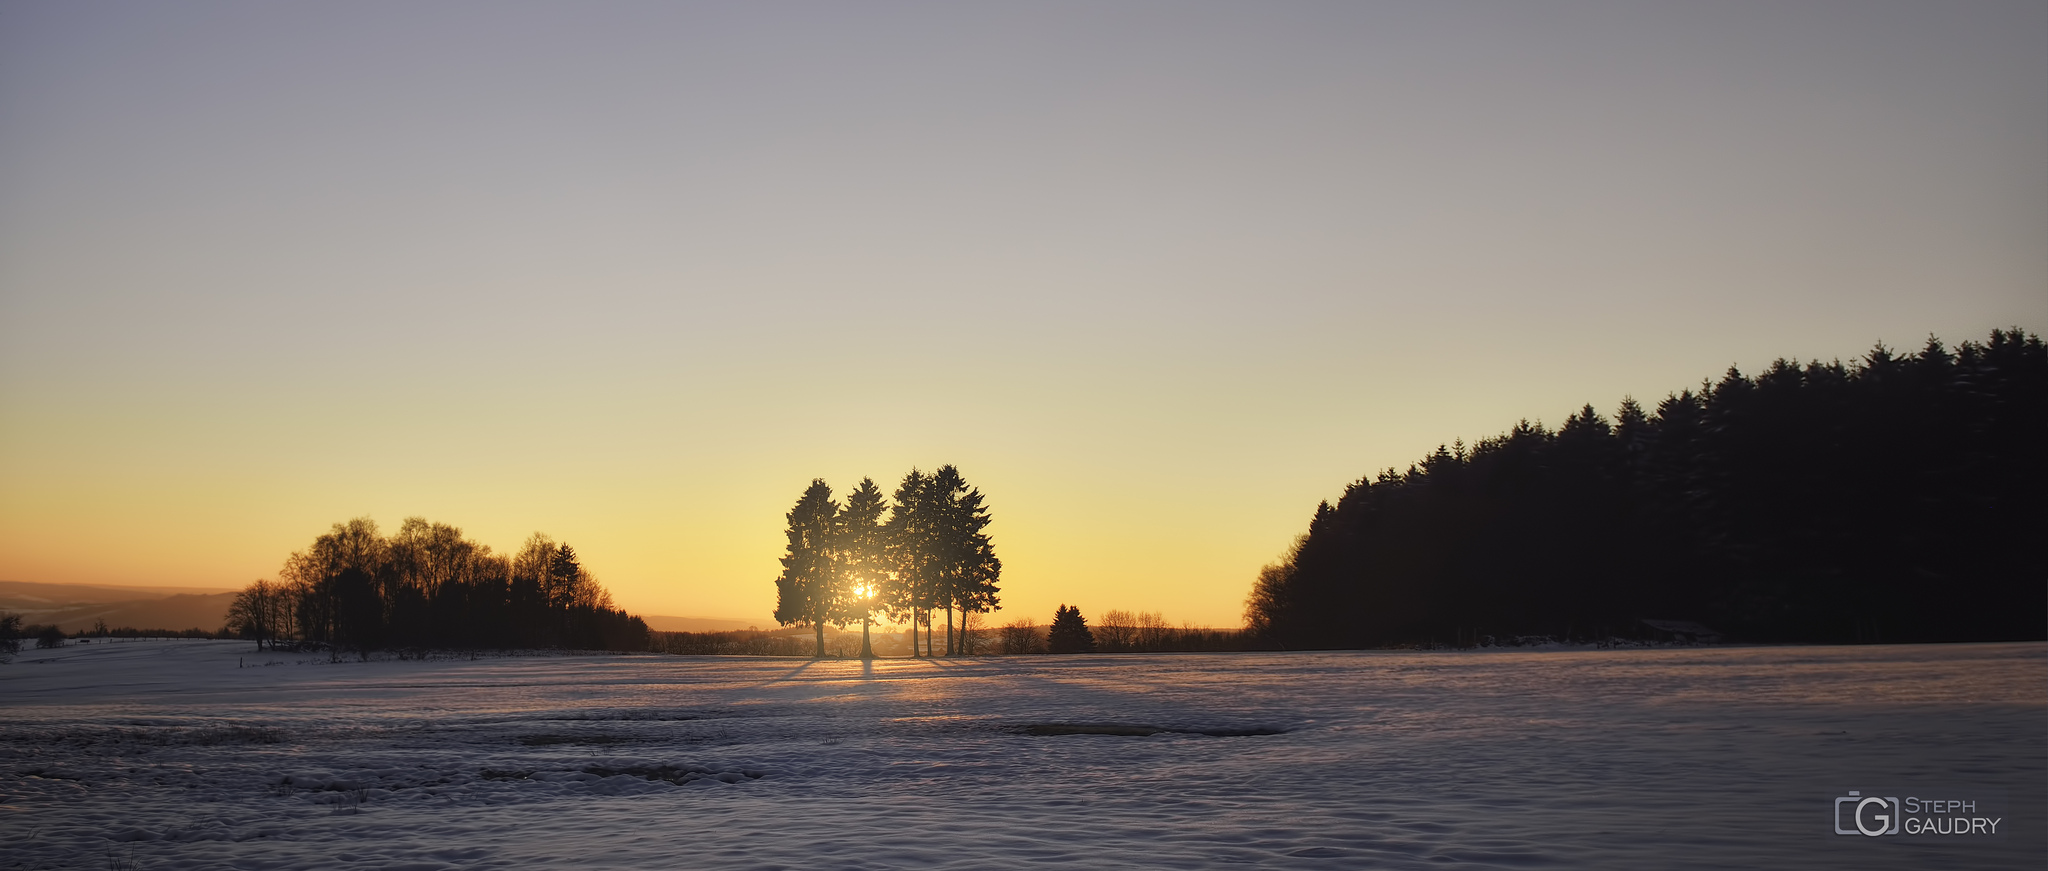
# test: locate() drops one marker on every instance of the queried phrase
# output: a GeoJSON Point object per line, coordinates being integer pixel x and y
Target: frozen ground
{"type": "Point", "coordinates": [166, 755]}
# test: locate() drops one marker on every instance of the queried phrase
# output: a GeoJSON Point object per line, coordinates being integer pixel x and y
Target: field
{"type": "Point", "coordinates": [208, 754]}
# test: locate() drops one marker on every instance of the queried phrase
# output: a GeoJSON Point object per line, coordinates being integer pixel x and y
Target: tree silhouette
{"type": "Point", "coordinates": [863, 559]}
{"type": "Point", "coordinates": [933, 551]}
{"type": "Point", "coordinates": [1021, 636]}
{"type": "Point", "coordinates": [966, 569]}
{"type": "Point", "coordinates": [1069, 633]}
{"type": "Point", "coordinates": [427, 586]}
{"type": "Point", "coordinates": [254, 614]}
{"type": "Point", "coordinates": [914, 538]}
{"type": "Point", "coordinates": [1893, 498]}
{"type": "Point", "coordinates": [809, 589]}
{"type": "Point", "coordinates": [10, 635]}
{"type": "Point", "coordinates": [359, 611]}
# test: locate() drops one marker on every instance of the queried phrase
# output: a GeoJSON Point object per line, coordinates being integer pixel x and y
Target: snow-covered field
{"type": "Point", "coordinates": [165, 754]}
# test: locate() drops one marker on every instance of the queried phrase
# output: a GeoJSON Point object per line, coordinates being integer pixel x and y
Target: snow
{"type": "Point", "coordinates": [166, 754]}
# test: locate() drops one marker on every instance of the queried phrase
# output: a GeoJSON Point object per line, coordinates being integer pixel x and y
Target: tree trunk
{"type": "Point", "coordinates": [820, 629]}
{"type": "Point", "coordinates": [950, 649]}
{"type": "Point", "coordinates": [867, 650]}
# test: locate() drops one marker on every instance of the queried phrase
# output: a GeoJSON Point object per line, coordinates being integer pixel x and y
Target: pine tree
{"type": "Point", "coordinates": [808, 589]}
{"type": "Point", "coordinates": [563, 590]}
{"type": "Point", "coordinates": [1069, 632]}
{"type": "Point", "coordinates": [862, 558]}
{"type": "Point", "coordinates": [912, 553]}
{"type": "Point", "coordinates": [967, 567]}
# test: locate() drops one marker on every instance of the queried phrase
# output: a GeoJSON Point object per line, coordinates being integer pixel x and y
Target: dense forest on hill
{"type": "Point", "coordinates": [426, 586]}
{"type": "Point", "coordinates": [1896, 498]}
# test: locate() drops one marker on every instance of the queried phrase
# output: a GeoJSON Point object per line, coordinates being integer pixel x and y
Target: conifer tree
{"type": "Point", "coordinates": [1069, 633]}
{"type": "Point", "coordinates": [1893, 498]}
{"type": "Point", "coordinates": [967, 569]}
{"type": "Point", "coordinates": [862, 557]}
{"type": "Point", "coordinates": [808, 589]}
{"type": "Point", "coordinates": [912, 546]}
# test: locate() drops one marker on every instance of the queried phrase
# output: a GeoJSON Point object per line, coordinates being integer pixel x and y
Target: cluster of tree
{"type": "Point", "coordinates": [1120, 631]}
{"type": "Point", "coordinates": [845, 564]}
{"type": "Point", "coordinates": [1897, 498]}
{"type": "Point", "coordinates": [427, 586]}
{"type": "Point", "coordinates": [1148, 632]}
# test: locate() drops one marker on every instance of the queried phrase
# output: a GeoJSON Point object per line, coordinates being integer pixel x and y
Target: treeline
{"type": "Point", "coordinates": [1898, 498]}
{"type": "Point", "coordinates": [738, 642]}
{"type": "Point", "coordinates": [13, 632]}
{"type": "Point", "coordinates": [428, 587]}
{"type": "Point", "coordinates": [845, 564]}
{"type": "Point", "coordinates": [1117, 632]}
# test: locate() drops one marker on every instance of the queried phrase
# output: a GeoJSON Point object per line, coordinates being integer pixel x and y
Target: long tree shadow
{"type": "Point", "coordinates": [884, 668]}
{"type": "Point", "coordinates": [791, 675]}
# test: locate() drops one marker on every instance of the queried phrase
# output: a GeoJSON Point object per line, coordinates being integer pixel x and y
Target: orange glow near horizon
{"type": "Point", "coordinates": [633, 275]}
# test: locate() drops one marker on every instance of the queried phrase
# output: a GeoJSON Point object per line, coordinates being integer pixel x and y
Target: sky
{"type": "Point", "coordinates": [1158, 277]}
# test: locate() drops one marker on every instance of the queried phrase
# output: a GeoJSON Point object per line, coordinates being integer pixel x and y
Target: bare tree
{"type": "Point", "coordinates": [251, 614]}
{"type": "Point", "coordinates": [1116, 631]}
{"type": "Point", "coordinates": [971, 633]}
{"type": "Point", "coordinates": [1153, 632]}
{"type": "Point", "coordinates": [1021, 636]}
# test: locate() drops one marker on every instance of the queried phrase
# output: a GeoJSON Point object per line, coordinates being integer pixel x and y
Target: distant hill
{"type": "Point", "coordinates": [77, 606]}
{"type": "Point", "coordinates": [699, 624]}
{"type": "Point", "coordinates": [183, 611]}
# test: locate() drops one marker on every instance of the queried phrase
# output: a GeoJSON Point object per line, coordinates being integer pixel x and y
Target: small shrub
{"type": "Point", "coordinates": [352, 800]}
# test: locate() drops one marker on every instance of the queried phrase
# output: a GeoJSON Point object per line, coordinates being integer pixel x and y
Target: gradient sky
{"type": "Point", "coordinates": [1157, 276]}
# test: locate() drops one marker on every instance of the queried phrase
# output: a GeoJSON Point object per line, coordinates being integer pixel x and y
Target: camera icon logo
{"type": "Point", "coordinates": [1866, 815]}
